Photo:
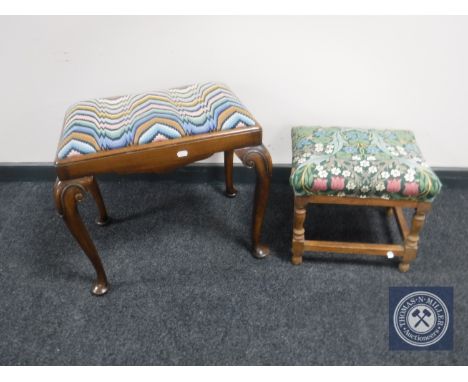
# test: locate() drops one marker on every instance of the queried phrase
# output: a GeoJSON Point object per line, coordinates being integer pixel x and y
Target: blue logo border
{"type": "Point", "coordinates": [396, 294]}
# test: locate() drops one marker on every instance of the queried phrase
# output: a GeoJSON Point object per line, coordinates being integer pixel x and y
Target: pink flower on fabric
{"type": "Point", "coordinates": [411, 189]}
{"type": "Point", "coordinates": [320, 184]}
{"type": "Point", "coordinates": [394, 185]}
{"type": "Point", "coordinates": [337, 183]}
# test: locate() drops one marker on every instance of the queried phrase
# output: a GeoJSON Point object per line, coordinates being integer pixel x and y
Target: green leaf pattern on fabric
{"type": "Point", "coordinates": [360, 163]}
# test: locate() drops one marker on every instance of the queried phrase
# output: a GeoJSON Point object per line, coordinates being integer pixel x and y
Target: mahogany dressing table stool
{"type": "Point", "coordinates": [154, 132]}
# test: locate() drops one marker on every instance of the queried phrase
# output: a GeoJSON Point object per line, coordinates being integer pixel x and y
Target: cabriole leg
{"type": "Point", "coordinates": [93, 188]}
{"type": "Point", "coordinates": [67, 195]}
{"type": "Point", "coordinates": [259, 158]}
{"type": "Point", "coordinates": [228, 168]}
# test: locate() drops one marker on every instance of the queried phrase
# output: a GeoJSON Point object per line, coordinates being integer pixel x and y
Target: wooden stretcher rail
{"type": "Point", "coordinates": [353, 248]}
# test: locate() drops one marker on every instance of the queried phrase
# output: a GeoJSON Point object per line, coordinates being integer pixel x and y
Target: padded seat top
{"type": "Point", "coordinates": [113, 123]}
{"type": "Point", "coordinates": [360, 163]}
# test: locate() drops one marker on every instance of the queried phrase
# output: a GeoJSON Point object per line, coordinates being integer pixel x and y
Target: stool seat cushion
{"type": "Point", "coordinates": [113, 123]}
{"type": "Point", "coordinates": [360, 163]}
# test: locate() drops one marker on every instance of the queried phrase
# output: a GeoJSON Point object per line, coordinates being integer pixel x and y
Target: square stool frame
{"type": "Point", "coordinates": [406, 252]}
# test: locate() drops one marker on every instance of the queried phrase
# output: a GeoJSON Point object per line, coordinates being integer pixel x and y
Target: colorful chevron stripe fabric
{"type": "Point", "coordinates": [111, 123]}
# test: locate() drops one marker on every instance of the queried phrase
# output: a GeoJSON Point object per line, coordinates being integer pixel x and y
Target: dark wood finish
{"type": "Point", "coordinates": [228, 168]}
{"type": "Point", "coordinates": [75, 177]}
{"type": "Point", "coordinates": [259, 158]}
{"type": "Point", "coordinates": [93, 188]}
{"type": "Point", "coordinates": [158, 156]}
{"type": "Point", "coordinates": [406, 252]}
{"type": "Point", "coordinates": [58, 196]}
{"type": "Point", "coordinates": [67, 196]}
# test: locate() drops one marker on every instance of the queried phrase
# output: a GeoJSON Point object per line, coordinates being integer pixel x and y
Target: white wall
{"type": "Point", "coordinates": [401, 72]}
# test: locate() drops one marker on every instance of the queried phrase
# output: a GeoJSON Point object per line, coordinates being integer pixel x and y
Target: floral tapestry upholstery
{"type": "Point", "coordinates": [360, 163]}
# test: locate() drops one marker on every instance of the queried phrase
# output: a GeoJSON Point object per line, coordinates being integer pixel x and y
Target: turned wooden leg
{"type": "Point", "coordinates": [298, 232]}
{"type": "Point", "coordinates": [411, 241]}
{"type": "Point", "coordinates": [259, 158]}
{"type": "Point", "coordinates": [93, 188]}
{"type": "Point", "coordinates": [228, 167]}
{"type": "Point", "coordinates": [389, 211]}
{"type": "Point", "coordinates": [67, 195]}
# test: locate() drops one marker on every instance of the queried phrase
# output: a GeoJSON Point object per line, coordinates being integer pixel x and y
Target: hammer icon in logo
{"type": "Point", "coordinates": [426, 313]}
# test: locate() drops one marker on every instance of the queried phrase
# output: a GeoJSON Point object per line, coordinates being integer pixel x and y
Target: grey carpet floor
{"type": "Point", "coordinates": [185, 290]}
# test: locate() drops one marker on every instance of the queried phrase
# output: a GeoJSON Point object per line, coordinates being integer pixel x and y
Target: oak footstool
{"type": "Point", "coordinates": [154, 132]}
{"type": "Point", "coordinates": [363, 167]}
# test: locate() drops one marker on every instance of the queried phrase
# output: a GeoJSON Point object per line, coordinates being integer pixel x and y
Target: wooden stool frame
{"type": "Point", "coordinates": [406, 252]}
{"type": "Point", "coordinates": [76, 178]}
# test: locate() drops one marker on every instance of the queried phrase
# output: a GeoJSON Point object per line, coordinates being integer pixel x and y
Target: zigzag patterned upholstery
{"type": "Point", "coordinates": [111, 123]}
